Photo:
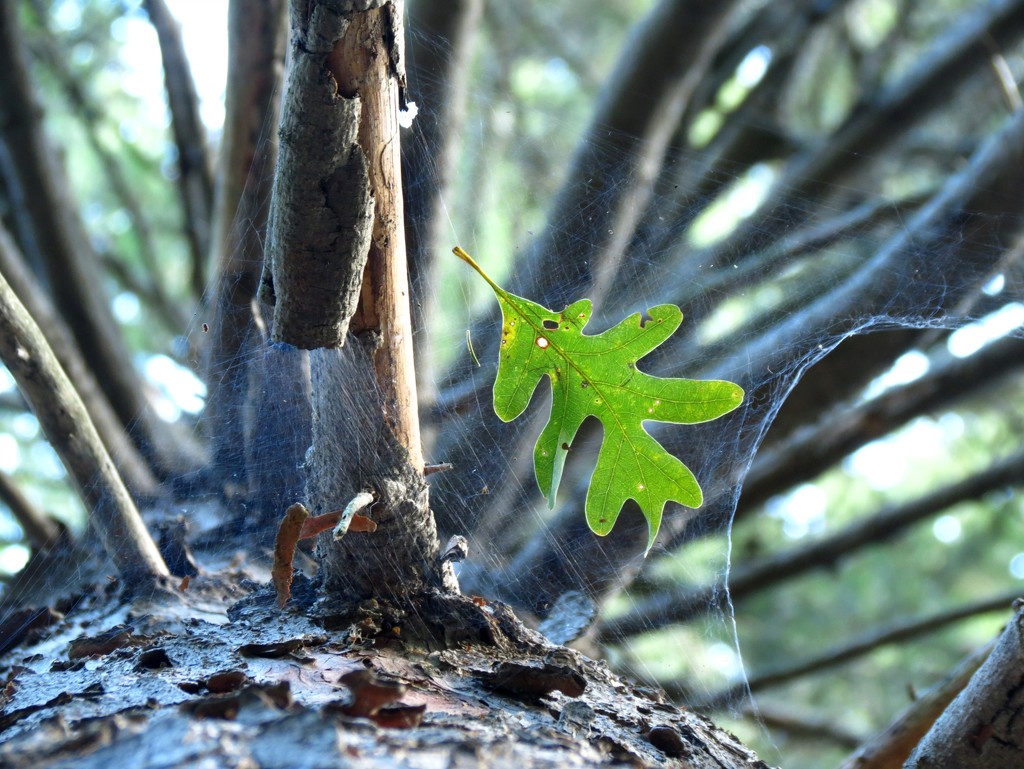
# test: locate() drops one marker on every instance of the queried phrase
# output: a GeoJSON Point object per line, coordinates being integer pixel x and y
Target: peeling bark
{"type": "Point", "coordinates": [321, 217]}
{"type": "Point", "coordinates": [336, 252]}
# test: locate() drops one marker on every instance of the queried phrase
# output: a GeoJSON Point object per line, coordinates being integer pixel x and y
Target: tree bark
{"type": "Point", "coordinates": [983, 728]}
{"type": "Point", "coordinates": [320, 218]}
{"type": "Point", "coordinates": [344, 270]}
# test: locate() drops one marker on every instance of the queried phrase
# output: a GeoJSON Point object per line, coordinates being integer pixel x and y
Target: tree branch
{"type": "Point", "coordinates": [891, 748]}
{"type": "Point", "coordinates": [69, 260]}
{"type": "Point", "coordinates": [131, 466]}
{"type": "Point", "coordinates": [196, 179]}
{"type": "Point", "coordinates": [903, 631]}
{"type": "Point", "coordinates": [982, 727]}
{"type": "Point", "coordinates": [345, 90]}
{"type": "Point", "coordinates": [682, 603]}
{"type": "Point", "coordinates": [955, 55]}
{"type": "Point", "coordinates": [86, 110]}
{"type": "Point", "coordinates": [257, 32]}
{"type": "Point", "coordinates": [66, 423]}
{"type": "Point", "coordinates": [41, 530]}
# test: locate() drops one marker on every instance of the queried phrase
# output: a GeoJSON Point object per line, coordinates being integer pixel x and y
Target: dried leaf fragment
{"type": "Point", "coordinates": [372, 698]}
{"type": "Point", "coordinates": [284, 550]}
{"type": "Point", "coordinates": [100, 645]}
{"type": "Point", "coordinates": [527, 680]}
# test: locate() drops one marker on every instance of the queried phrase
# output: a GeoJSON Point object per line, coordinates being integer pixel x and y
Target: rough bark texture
{"type": "Point", "coordinates": [213, 680]}
{"type": "Point", "coordinates": [983, 728]}
{"type": "Point", "coordinates": [66, 422]}
{"type": "Point", "coordinates": [321, 217]}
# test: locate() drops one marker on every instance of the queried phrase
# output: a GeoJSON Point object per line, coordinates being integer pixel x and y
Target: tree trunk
{"type": "Point", "coordinates": [338, 279]}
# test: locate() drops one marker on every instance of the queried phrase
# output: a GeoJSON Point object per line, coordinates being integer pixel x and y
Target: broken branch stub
{"type": "Point", "coordinates": [322, 211]}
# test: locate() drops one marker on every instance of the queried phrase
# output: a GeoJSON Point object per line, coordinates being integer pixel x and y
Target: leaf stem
{"type": "Point", "coordinates": [480, 270]}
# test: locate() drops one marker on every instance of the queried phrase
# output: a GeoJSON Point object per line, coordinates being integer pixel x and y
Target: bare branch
{"type": "Point", "coordinates": [131, 465]}
{"type": "Point", "coordinates": [891, 748]}
{"type": "Point", "coordinates": [803, 725]}
{"type": "Point", "coordinates": [69, 260]}
{"type": "Point", "coordinates": [955, 55]}
{"type": "Point", "coordinates": [248, 151]}
{"type": "Point", "coordinates": [196, 179]}
{"type": "Point", "coordinates": [981, 729]}
{"type": "Point", "coordinates": [41, 530]}
{"type": "Point", "coordinates": [903, 631]}
{"type": "Point", "coordinates": [88, 112]}
{"type": "Point", "coordinates": [66, 423]}
{"type": "Point", "coordinates": [682, 603]}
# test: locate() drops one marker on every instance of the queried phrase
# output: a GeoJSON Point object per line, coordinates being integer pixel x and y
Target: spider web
{"type": "Point", "coordinates": [774, 264]}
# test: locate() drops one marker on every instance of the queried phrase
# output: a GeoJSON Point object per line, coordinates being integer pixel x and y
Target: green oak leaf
{"type": "Point", "coordinates": [597, 376]}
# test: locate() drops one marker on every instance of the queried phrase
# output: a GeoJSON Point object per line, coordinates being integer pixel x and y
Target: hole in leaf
{"type": "Point", "coordinates": [550, 325]}
{"type": "Point", "coordinates": [644, 318]}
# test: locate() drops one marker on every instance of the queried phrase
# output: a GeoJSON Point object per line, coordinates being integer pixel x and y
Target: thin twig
{"type": "Point", "coordinates": [196, 177]}
{"type": "Point", "coordinates": [40, 529]}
